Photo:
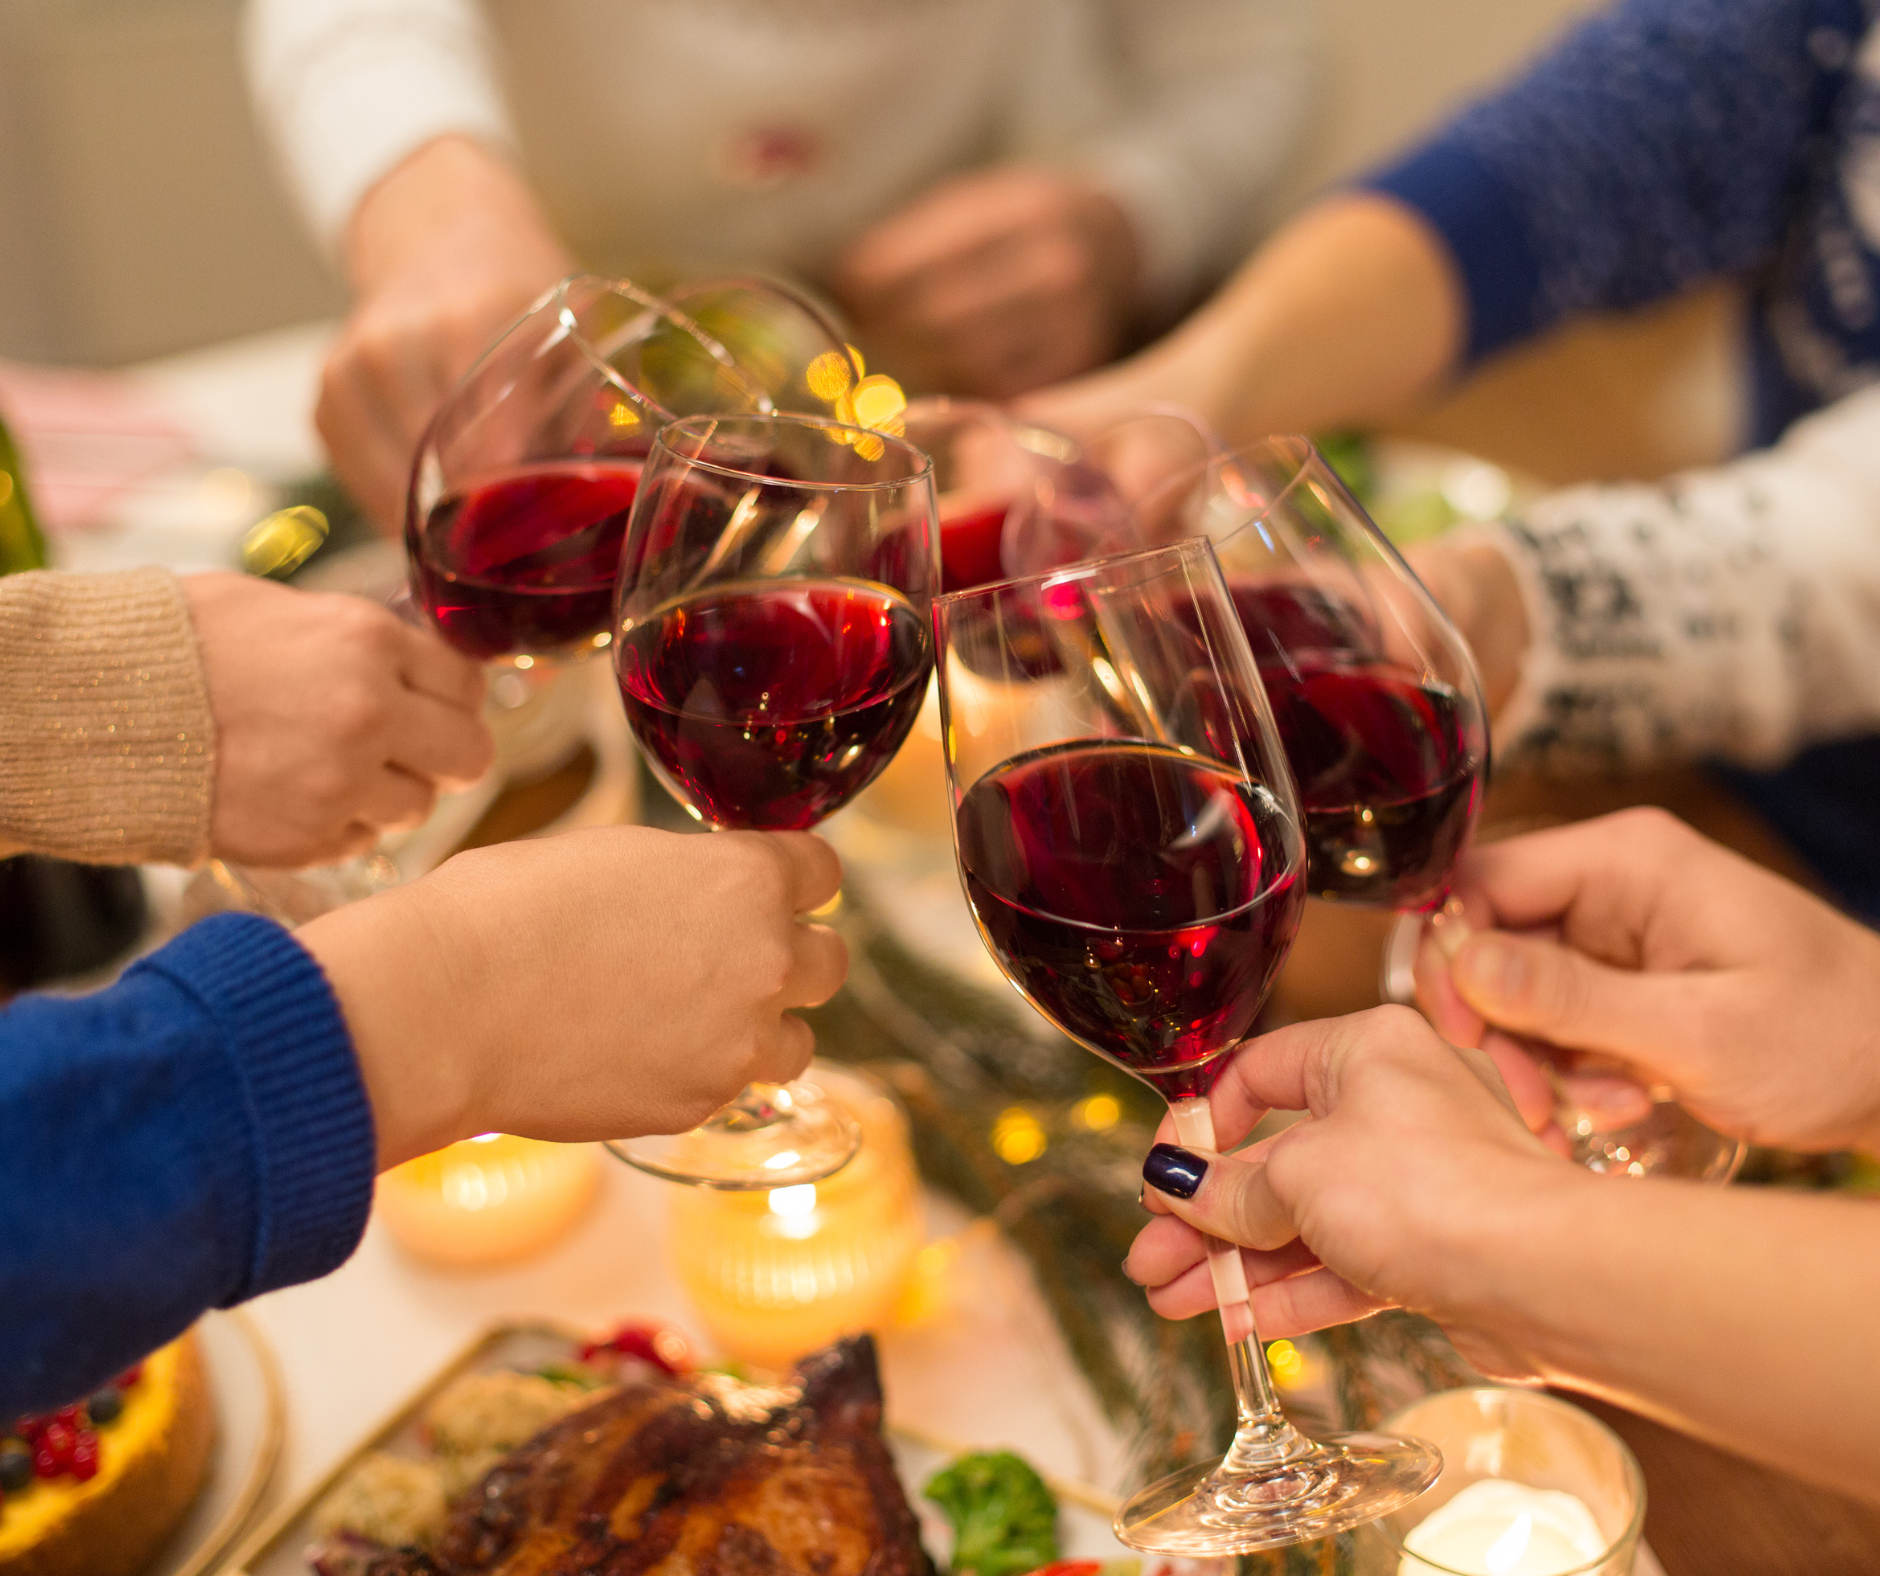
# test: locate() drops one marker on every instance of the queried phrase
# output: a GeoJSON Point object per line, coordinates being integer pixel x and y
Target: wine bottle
{"type": "Point", "coordinates": [57, 919]}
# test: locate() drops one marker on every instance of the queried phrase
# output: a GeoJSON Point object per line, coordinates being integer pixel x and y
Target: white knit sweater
{"type": "Point", "coordinates": [1731, 612]}
{"type": "Point", "coordinates": [689, 135]}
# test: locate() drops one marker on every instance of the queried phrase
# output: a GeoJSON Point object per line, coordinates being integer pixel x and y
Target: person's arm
{"type": "Point", "coordinates": [1412, 1183]}
{"type": "Point", "coordinates": [1730, 612]}
{"type": "Point", "coordinates": [1198, 105]}
{"type": "Point", "coordinates": [1609, 175]}
{"type": "Point", "coordinates": [191, 1137]}
{"type": "Point", "coordinates": [145, 718]}
{"type": "Point", "coordinates": [389, 122]}
{"type": "Point", "coordinates": [107, 739]}
{"type": "Point", "coordinates": [207, 1129]}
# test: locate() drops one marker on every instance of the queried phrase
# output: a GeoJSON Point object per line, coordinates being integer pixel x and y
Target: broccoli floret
{"type": "Point", "coordinates": [1004, 1518]}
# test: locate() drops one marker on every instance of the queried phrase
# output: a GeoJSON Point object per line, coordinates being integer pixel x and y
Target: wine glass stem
{"type": "Point", "coordinates": [1263, 1438]}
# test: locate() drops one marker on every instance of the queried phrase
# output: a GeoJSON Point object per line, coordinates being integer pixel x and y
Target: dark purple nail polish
{"type": "Point", "coordinates": [1173, 1170]}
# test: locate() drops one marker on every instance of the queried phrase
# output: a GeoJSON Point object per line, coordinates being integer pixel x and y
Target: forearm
{"type": "Point", "coordinates": [1349, 313]}
{"type": "Point", "coordinates": [190, 1137]}
{"type": "Point", "coordinates": [349, 89]}
{"type": "Point", "coordinates": [1744, 1316]}
{"type": "Point", "coordinates": [451, 191]}
{"type": "Point", "coordinates": [107, 742]}
{"type": "Point", "coordinates": [1728, 612]}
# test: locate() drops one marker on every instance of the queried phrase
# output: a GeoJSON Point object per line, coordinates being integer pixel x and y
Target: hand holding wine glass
{"type": "Point", "coordinates": [1131, 848]}
{"type": "Point", "coordinates": [1676, 962]}
{"type": "Point", "coordinates": [772, 646]}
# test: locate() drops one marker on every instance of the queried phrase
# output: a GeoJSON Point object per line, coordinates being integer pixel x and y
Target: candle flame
{"type": "Point", "coordinates": [1506, 1551]}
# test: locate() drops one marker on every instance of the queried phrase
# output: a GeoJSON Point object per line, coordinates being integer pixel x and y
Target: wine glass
{"type": "Point", "coordinates": [1133, 853]}
{"type": "Point", "coordinates": [1381, 713]}
{"type": "Point", "coordinates": [772, 642]}
{"type": "Point", "coordinates": [522, 484]}
{"type": "Point", "coordinates": [1015, 499]}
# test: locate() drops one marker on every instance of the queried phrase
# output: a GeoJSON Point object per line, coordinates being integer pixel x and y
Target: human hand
{"type": "Point", "coordinates": [1384, 1194]}
{"type": "Point", "coordinates": [443, 254]}
{"type": "Point", "coordinates": [1474, 583]}
{"type": "Point", "coordinates": [1634, 939]}
{"type": "Point", "coordinates": [994, 282]}
{"type": "Point", "coordinates": [334, 721]}
{"type": "Point", "coordinates": [601, 984]}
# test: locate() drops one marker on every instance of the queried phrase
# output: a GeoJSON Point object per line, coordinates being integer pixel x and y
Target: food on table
{"type": "Point", "coordinates": [685, 1474]}
{"type": "Point", "coordinates": [1004, 1517]}
{"type": "Point", "coordinates": [94, 1488]}
{"type": "Point", "coordinates": [387, 1500]}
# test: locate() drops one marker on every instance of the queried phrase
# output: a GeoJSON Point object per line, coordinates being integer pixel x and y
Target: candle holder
{"type": "Point", "coordinates": [487, 1199]}
{"type": "Point", "coordinates": [776, 1274]}
{"type": "Point", "coordinates": [1531, 1486]}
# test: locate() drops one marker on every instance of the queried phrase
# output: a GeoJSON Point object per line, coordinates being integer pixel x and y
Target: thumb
{"type": "Point", "coordinates": [1225, 1197]}
{"type": "Point", "coordinates": [1539, 988]}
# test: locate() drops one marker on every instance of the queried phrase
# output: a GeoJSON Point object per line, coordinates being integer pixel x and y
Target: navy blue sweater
{"type": "Point", "coordinates": [1665, 142]}
{"type": "Point", "coordinates": [193, 1136]}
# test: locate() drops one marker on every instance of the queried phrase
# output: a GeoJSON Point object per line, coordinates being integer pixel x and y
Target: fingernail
{"type": "Point", "coordinates": [1126, 1275]}
{"type": "Point", "coordinates": [1173, 1170]}
{"type": "Point", "coordinates": [1142, 1198]}
{"type": "Point", "coordinates": [1489, 968]}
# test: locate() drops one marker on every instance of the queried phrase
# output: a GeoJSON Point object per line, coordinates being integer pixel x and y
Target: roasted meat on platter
{"type": "Point", "coordinates": [699, 1475]}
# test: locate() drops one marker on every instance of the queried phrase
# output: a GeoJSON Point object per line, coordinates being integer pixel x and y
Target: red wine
{"type": "Point", "coordinates": [1386, 778]}
{"type": "Point", "coordinates": [971, 548]}
{"type": "Point", "coordinates": [1142, 899]}
{"type": "Point", "coordinates": [525, 564]}
{"type": "Point", "coordinates": [1287, 619]}
{"type": "Point", "coordinates": [772, 703]}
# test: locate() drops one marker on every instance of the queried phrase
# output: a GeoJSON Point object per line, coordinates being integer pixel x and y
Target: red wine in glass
{"type": "Point", "coordinates": [971, 547]}
{"type": "Point", "coordinates": [524, 563]}
{"type": "Point", "coordinates": [1387, 781]}
{"type": "Point", "coordinates": [770, 704]}
{"type": "Point", "coordinates": [1140, 896]}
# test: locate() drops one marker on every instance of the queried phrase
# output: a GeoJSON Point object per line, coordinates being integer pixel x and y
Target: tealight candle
{"type": "Point", "coordinates": [1498, 1528]}
{"type": "Point", "coordinates": [776, 1274]}
{"type": "Point", "coordinates": [487, 1199]}
{"type": "Point", "coordinates": [1531, 1486]}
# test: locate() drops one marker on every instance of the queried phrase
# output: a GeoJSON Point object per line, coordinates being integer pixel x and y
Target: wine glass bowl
{"type": "Point", "coordinates": [523, 482]}
{"type": "Point", "coordinates": [1374, 690]}
{"type": "Point", "coordinates": [1133, 854]}
{"type": "Point", "coordinates": [772, 642]}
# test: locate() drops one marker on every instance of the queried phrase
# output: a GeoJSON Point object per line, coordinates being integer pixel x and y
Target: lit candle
{"type": "Point", "coordinates": [1495, 1527]}
{"type": "Point", "coordinates": [487, 1199]}
{"type": "Point", "coordinates": [777, 1274]}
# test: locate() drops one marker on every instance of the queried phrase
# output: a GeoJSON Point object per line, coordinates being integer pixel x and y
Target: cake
{"type": "Point", "coordinates": [95, 1488]}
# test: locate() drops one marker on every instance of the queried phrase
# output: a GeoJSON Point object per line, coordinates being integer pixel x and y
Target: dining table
{"type": "Point", "coordinates": [172, 462]}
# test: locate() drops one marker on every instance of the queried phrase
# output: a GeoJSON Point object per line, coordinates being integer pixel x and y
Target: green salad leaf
{"type": "Point", "coordinates": [1004, 1518]}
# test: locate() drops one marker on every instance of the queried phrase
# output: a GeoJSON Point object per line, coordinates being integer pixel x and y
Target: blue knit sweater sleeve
{"type": "Point", "coordinates": [190, 1137]}
{"type": "Point", "coordinates": [1660, 143]}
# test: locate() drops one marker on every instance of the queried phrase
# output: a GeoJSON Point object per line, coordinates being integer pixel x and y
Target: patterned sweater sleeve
{"type": "Point", "coordinates": [1655, 145]}
{"type": "Point", "coordinates": [1731, 612]}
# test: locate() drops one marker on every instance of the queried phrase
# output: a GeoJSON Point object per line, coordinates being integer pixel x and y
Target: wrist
{"type": "Point", "coordinates": [421, 204]}
{"type": "Point", "coordinates": [1502, 1258]}
{"type": "Point", "coordinates": [391, 969]}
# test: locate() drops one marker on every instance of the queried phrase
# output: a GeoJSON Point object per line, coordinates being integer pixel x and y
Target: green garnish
{"type": "Point", "coordinates": [1004, 1518]}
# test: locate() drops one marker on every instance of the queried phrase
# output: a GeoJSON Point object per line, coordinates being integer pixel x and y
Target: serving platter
{"type": "Point", "coordinates": [279, 1547]}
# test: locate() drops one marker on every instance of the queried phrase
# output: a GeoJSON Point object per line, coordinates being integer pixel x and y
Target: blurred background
{"type": "Point", "coordinates": [143, 218]}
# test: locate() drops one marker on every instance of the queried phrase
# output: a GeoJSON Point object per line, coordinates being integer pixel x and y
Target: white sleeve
{"type": "Point", "coordinates": [346, 89]}
{"type": "Point", "coordinates": [1730, 612]}
{"type": "Point", "coordinates": [1208, 100]}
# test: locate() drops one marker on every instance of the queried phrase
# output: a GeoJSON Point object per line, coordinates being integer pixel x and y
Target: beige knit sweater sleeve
{"type": "Point", "coordinates": [107, 744]}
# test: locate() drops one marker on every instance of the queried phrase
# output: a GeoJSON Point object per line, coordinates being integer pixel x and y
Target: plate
{"type": "Point", "coordinates": [278, 1548]}
{"type": "Point", "coordinates": [250, 1422]}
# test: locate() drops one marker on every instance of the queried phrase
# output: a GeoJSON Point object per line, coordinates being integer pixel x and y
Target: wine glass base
{"type": "Point", "coordinates": [1343, 1483]}
{"type": "Point", "coordinates": [813, 1139]}
{"type": "Point", "coordinates": [1668, 1143]}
